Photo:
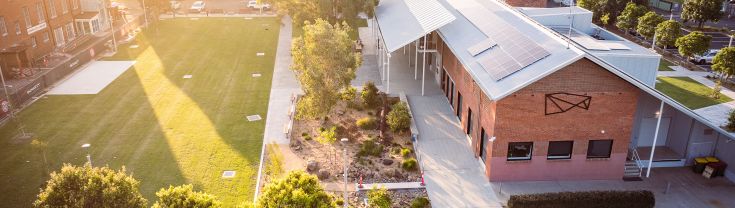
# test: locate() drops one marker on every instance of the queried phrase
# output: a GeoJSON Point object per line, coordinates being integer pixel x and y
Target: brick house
{"type": "Point", "coordinates": [544, 94]}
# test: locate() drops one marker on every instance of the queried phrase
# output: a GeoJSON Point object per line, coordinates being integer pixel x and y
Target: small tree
{"type": "Point", "coordinates": [297, 189]}
{"type": "Point", "coordinates": [399, 118]}
{"type": "Point", "coordinates": [716, 90]}
{"type": "Point", "coordinates": [628, 19]}
{"type": "Point", "coordinates": [184, 197]}
{"type": "Point", "coordinates": [724, 62]}
{"type": "Point", "coordinates": [667, 32]}
{"type": "Point", "coordinates": [702, 11]}
{"type": "Point", "coordinates": [730, 126]}
{"type": "Point", "coordinates": [325, 63]}
{"type": "Point", "coordinates": [369, 95]}
{"type": "Point", "coordinates": [605, 19]}
{"type": "Point", "coordinates": [348, 94]}
{"type": "Point", "coordinates": [647, 24]}
{"type": "Point", "coordinates": [90, 187]}
{"type": "Point", "coordinates": [693, 43]}
{"type": "Point", "coordinates": [328, 136]}
{"type": "Point", "coordinates": [379, 197]}
{"type": "Point", "coordinates": [40, 147]}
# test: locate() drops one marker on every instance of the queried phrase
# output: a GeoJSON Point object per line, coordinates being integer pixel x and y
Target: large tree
{"type": "Point", "coordinates": [628, 19]}
{"type": "Point", "coordinates": [185, 197]}
{"type": "Point", "coordinates": [724, 62]}
{"type": "Point", "coordinates": [600, 8]}
{"type": "Point", "coordinates": [667, 32]}
{"type": "Point", "coordinates": [647, 24]}
{"type": "Point", "coordinates": [90, 187]}
{"type": "Point", "coordinates": [702, 11]}
{"type": "Point", "coordinates": [325, 63]}
{"type": "Point", "coordinates": [330, 10]}
{"type": "Point", "coordinates": [297, 189]}
{"type": "Point", "coordinates": [693, 43]}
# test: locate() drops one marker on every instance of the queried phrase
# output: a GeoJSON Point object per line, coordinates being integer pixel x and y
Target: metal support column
{"type": "Point", "coordinates": [423, 66]}
{"type": "Point", "coordinates": [388, 66]}
{"type": "Point", "coordinates": [655, 138]}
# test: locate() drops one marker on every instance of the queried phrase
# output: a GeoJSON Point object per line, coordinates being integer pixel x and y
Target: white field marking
{"type": "Point", "coordinates": [228, 174]}
{"type": "Point", "coordinates": [256, 75]}
{"type": "Point", "coordinates": [254, 118]}
{"type": "Point", "coordinates": [260, 54]}
{"type": "Point", "coordinates": [134, 46]}
{"type": "Point", "coordinates": [188, 76]}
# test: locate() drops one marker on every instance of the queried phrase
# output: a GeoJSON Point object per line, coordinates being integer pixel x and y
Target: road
{"type": "Point", "coordinates": [214, 6]}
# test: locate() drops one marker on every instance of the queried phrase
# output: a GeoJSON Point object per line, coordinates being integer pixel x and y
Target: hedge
{"type": "Point", "coordinates": [596, 199]}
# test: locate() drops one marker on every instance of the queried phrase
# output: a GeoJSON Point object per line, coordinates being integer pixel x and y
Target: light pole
{"type": "Point", "coordinates": [732, 32]}
{"type": "Point", "coordinates": [89, 157]}
{"type": "Point", "coordinates": [344, 157]}
{"type": "Point", "coordinates": [112, 29]}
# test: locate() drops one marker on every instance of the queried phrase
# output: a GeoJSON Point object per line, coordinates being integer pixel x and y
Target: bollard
{"type": "Point", "coordinates": [422, 179]}
{"type": "Point", "coordinates": [360, 184]}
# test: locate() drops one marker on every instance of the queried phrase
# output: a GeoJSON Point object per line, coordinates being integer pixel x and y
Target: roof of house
{"type": "Point", "coordinates": [463, 36]}
{"type": "Point", "coordinates": [404, 21]}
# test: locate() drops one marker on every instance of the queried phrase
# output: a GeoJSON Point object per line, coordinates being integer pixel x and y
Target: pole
{"type": "Point", "coordinates": [344, 158]}
{"type": "Point", "coordinates": [388, 75]}
{"type": "Point", "coordinates": [145, 14]}
{"type": "Point", "coordinates": [423, 66]}
{"type": "Point", "coordinates": [655, 138]}
{"type": "Point", "coordinates": [112, 29]}
{"type": "Point", "coordinates": [653, 44]}
{"type": "Point", "coordinates": [12, 107]}
{"type": "Point", "coordinates": [730, 44]}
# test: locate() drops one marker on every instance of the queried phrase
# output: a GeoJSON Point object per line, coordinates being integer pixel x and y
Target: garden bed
{"type": "Point", "coordinates": [374, 151]}
{"type": "Point", "coordinates": [399, 198]}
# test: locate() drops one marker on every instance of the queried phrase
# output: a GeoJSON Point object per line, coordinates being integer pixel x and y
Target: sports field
{"type": "Point", "coordinates": [163, 128]}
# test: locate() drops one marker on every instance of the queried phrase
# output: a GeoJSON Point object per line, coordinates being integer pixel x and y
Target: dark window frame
{"type": "Point", "coordinates": [589, 149]}
{"type": "Point", "coordinates": [469, 122]}
{"type": "Point", "coordinates": [530, 151]}
{"type": "Point", "coordinates": [560, 157]}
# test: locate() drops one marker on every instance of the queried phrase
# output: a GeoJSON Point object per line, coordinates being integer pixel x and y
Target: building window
{"type": "Point", "coordinates": [560, 150]}
{"type": "Point", "coordinates": [64, 7]}
{"type": "Point", "coordinates": [3, 29]}
{"type": "Point", "coordinates": [17, 28]}
{"type": "Point", "coordinates": [33, 41]}
{"type": "Point", "coordinates": [27, 17]}
{"type": "Point", "coordinates": [483, 144]}
{"type": "Point", "coordinates": [59, 36]}
{"type": "Point", "coordinates": [459, 105]}
{"type": "Point", "coordinates": [599, 149]}
{"type": "Point", "coordinates": [70, 31]}
{"type": "Point", "coordinates": [40, 12]}
{"type": "Point", "coordinates": [520, 150]}
{"type": "Point", "coordinates": [469, 122]}
{"type": "Point", "coordinates": [52, 8]}
{"type": "Point", "coordinates": [75, 4]}
{"type": "Point", "coordinates": [45, 37]}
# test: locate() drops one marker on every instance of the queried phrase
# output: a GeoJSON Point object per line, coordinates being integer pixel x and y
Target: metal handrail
{"type": "Point", "coordinates": [637, 159]}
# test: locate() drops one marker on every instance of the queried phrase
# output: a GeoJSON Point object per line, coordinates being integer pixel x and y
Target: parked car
{"type": "Point", "coordinates": [253, 4]}
{"type": "Point", "coordinates": [705, 58]}
{"type": "Point", "coordinates": [198, 6]}
{"type": "Point", "coordinates": [175, 5]}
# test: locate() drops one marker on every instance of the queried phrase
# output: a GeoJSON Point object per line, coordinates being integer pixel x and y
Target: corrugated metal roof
{"type": "Point", "coordinates": [403, 21]}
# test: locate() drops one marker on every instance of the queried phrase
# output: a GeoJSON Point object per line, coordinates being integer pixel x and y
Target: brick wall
{"type": "Point", "coordinates": [520, 117]}
{"type": "Point", "coordinates": [527, 3]}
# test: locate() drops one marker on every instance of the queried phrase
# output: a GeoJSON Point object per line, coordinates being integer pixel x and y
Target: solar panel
{"type": "Point", "coordinates": [514, 50]}
{"type": "Point", "coordinates": [482, 46]}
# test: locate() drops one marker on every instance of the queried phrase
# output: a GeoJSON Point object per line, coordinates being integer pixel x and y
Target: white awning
{"type": "Point", "coordinates": [403, 21]}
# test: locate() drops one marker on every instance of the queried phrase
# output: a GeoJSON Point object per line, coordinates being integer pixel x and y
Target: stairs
{"type": "Point", "coordinates": [632, 171]}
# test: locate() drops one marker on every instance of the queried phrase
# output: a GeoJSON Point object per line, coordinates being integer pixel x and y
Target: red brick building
{"type": "Point", "coordinates": [537, 103]}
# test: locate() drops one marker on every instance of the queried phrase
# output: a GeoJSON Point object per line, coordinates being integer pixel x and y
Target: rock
{"type": "Point", "coordinates": [312, 166]}
{"type": "Point", "coordinates": [387, 161]}
{"type": "Point", "coordinates": [323, 174]}
{"type": "Point", "coordinates": [397, 173]}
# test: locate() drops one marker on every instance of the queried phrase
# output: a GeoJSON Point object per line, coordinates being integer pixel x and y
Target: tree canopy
{"type": "Point", "coordinates": [330, 10]}
{"type": "Point", "coordinates": [702, 11]}
{"type": "Point", "coordinates": [693, 43]}
{"type": "Point", "coordinates": [297, 189]}
{"type": "Point", "coordinates": [90, 187]}
{"type": "Point", "coordinates": [628, 19]}
{"type": "Point", "coordinates": [599, 8]}
{"type": "Point", "coordinates": [325, 63]}
{"type": "Point", "coordinates": [185, 197]}
{"type": "Point", "coordinates": [647, 24]}
{"type": "Point", "coordinates": [724, 62]}
{"type": "Point", "coordinates": [667, 32]}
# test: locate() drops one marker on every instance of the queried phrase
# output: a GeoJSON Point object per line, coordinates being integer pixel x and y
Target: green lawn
{"type": "Point", "coordinates": [689, 92]}
{"type": "Point", "coordinates": [664, 65]}
{"type": "Point", "coordinates": [162, 128]}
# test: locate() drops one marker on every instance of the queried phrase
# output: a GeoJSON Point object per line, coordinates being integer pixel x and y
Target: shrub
{"type": "Point", "coordinates": [730, 126]}
{"type": "Point", "coordinates": [328, 136]}
{"type": "Point", "coordinates": [307, 137]}
{"type": "Point", "coordinates": [623, 199]}
{"type": "Point", "coordinates": [399, 118]}
{"type": "Point", "coordinates": [420, 202]}
{"type": "Point", "coordinates": [369, 95]}
{"type": "Point", "coordinates": [185, 196]}
{"type": "Point", "coordinates": [297, 189]}
{"type": "Point", "coordinates": [395, 150]}
{"type": "Point", "coordinates": [405, 152]}
{"type": "Point", "coordinates": [339, 202]}
{"type": "Point", "coordinates": [348, 94]}
{"type": "Point", "coordinates": [366, 123]}
{"type": "Point", "coordinates": [410, 164]}
{"type": "Point", "coordinates": [370, 148]}
{"type": "Point", "coordinates": [379, 197]}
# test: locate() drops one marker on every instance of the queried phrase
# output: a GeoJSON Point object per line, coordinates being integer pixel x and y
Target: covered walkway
{"type": "Point", "coordinates": [453, 176]}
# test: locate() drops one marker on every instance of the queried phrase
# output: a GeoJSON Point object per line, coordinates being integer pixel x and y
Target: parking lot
{"type": "Point", "coordinates": [212, 6]}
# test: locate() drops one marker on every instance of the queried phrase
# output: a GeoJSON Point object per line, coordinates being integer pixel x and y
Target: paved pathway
{"type": "Point", "coordinates": [716, 114]}
{"type": "Point", "coordinates": [453, 175]}
{"type": "Point", "coordinates": [283, 87]}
